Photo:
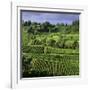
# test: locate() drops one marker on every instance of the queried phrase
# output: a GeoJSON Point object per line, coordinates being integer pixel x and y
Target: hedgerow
{"type": "Point", "coordinates": [33, 49]}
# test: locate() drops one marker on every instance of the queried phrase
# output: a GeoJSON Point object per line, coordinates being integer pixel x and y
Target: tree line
{"type": "Point", "coordinates": [36, 28]}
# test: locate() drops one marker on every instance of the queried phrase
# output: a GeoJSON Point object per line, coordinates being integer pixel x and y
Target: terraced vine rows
{"type": "Point", "coordinates": [50, 50]}
{"type": "Point", "coordinates": [51, 64]}
{"type": "Point", "coordinates": [68, 67]}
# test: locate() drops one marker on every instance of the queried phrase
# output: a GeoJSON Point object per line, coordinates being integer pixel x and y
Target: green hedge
{"type": "Point", "coordinates": [46, 50]}
{"type": "Point", "coordinates": [61, 51]}
{"type": "Point", "coordinates": [33, 49]}
{"type": "Point", "coordinates": [52, 57]}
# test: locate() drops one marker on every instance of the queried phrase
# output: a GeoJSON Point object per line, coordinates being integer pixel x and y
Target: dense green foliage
{"type": "Point", "coordinates": [51, 65]}
{"type": "Point", "coordinates": [33, 49]}
{"type": "Point", "coordinates": [50, 50]}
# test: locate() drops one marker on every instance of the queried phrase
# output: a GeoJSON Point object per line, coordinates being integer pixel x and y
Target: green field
{"type": "Point", "coordinates": [50, 50]}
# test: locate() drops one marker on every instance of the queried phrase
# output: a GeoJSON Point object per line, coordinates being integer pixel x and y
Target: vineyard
{"type": "Point", "coordinates": [50, 50]}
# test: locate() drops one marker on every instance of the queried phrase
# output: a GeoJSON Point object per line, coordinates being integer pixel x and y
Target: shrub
{"type": "Point", "coordinates": [60, 44]}
{"type": "Point", "coordinates": [69, 44]}
{"type": "Point", "coordinates": [26, 65]}
{"type": "Point", "coordinates": [53, 56]}
{"type": "Point", "coordinates": [33, 49]}
{"type": "Point", "coordinates": [76, 44]}
{"type": "Point", "coordinates": [50, 42]}
{"type": "Point", "coordinates": [61, 51]}
{"type": "Point", "coordinates": [36, 42]}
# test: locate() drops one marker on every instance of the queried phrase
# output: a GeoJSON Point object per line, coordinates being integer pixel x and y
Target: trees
{"type": "Point", "coordinates": [51, 28]}
{"type": "Point", "coordinates": [26, 23]}
{"type": "Point", "coordinates": [54, 31]}
{"type": "Point", "coordinates": [75, 26]}
{"type": "Point", "coordinates": [29, 23]}
{"type": "Point", "coordinates": [46, 26]}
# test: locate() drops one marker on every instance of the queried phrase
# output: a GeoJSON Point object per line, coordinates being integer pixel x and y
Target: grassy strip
{"type": "Point", "coordinates": [48, 50]}
{"type": "Point", "coordinates": [61, 51]}
{"type": "Point", "coordinates": [51, 56]}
